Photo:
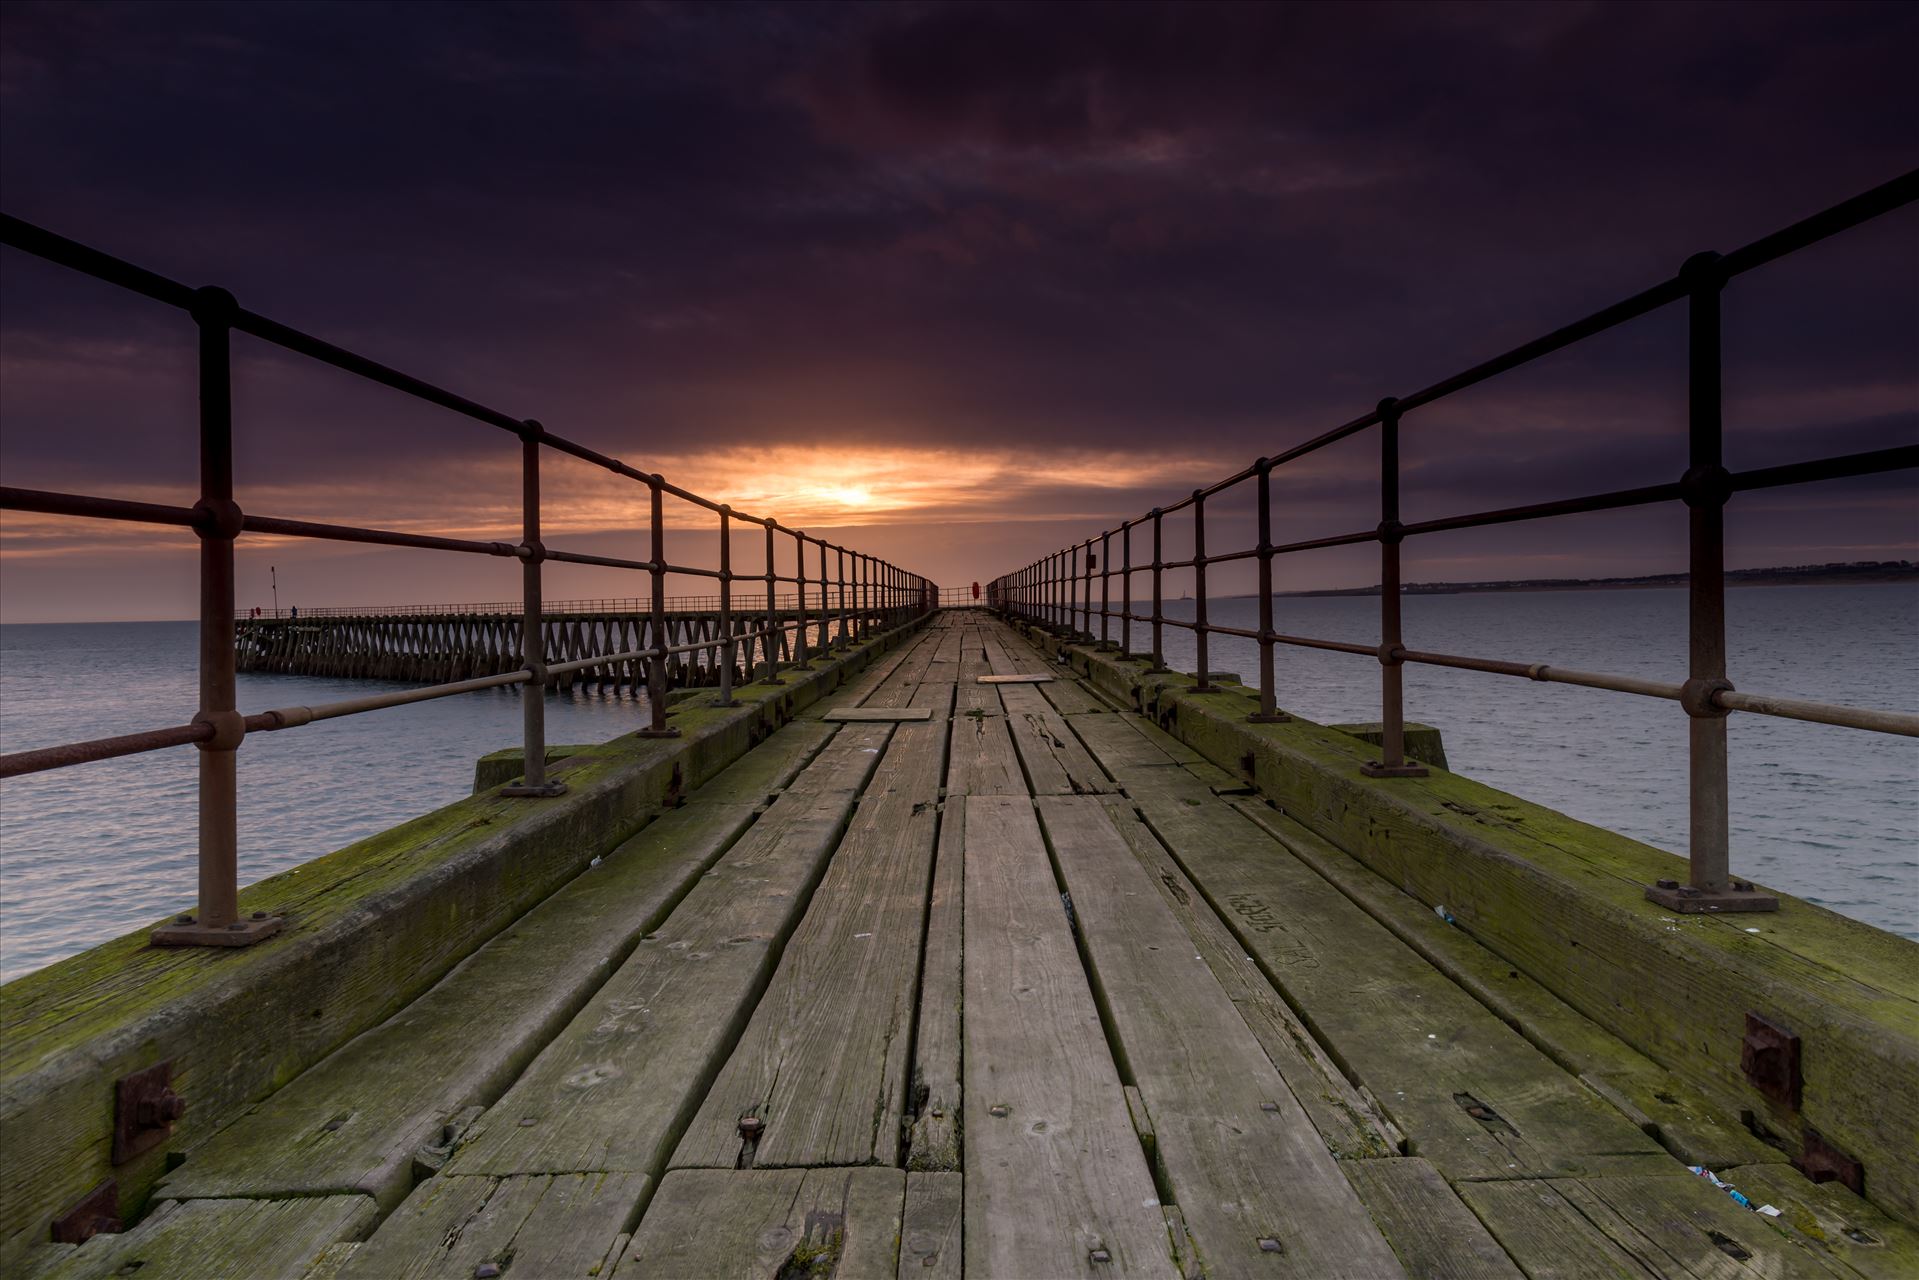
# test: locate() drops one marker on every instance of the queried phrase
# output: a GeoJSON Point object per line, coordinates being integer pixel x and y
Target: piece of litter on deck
{"type": "Point", "coordinates": [1444, 914]}
{"type": "Point", "coordinates": [1752, 931]}
{"type": "Point", "coordinates": [862, 935]}
{"type": "Point", "coordinates": [1769, 1210]}
{"type": "Point", "coordinates": [1431, 1036]}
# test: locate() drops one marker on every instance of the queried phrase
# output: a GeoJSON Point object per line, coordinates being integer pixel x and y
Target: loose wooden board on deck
{"type": "Point", "coordinates": [753, 1224]}
{"type": "Point", "coordinates": [878, 715]}
{"type": "Point", "coordinates": [1245, 1163]}
{"type": "Point", "coordinates": [1053, 1168]}
{"type": "Point", "coordinates": [1036, 678]}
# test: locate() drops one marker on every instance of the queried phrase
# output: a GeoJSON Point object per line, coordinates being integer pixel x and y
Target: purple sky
{"type": "Point", "coordinates": [955, 283]}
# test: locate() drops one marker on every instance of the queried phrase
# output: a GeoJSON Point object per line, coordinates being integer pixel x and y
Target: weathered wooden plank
{"type": "Point", "coordinates": [931, 1229]}
{"type": "Point", "coordinates": [1071, 697]}
{"type": "Point", "coordinates": [1116, 742]}
{"type": "Point", "coordinates": [1260, 1192]}
{"type": "Point", "coordinates": [1674, 1225]}
{"type": "Point", "coordinates": [877, 715]}
{"type": "Point", "coordinates": [358, 1119]}
{"type": "Point", "coordinates": [823, 1064]}
{"type": "Point", "coordinates": [612, 1092]}
{"type": "Point", "coordinates": [1056, 764]}
{"type": "Point", "coordinates": [1055, 1176]}
{"type": "Point", "coordinates": [221, 1240]}
{"type": "Point", "coordinates": [934, 1143]}
{"type": "Point", "coordinates": [1348, 1119]}
{"type": "Point", "coordinates": [971, 696]}
{"type": "Point", "coordinates": [766, 1224]}
{"type": "Point", "coordinates": [553, 1226]}
{"type": "Point", "coordinates": [899, 686]}
{"type": "Point", "coordinates": [983, 760]}
{"type": "Point", "coordinates": [1547, 1237]}
{"type": "Point", "coordinates": [1650, 1096]}
{"type": "Point", "coordinates": [1027, 678]}
{"type": "Point", "coordinates": [1435, 1235]}
{"type": "Point", "coordinates": [1468, 1091]}
{"type": "Point", "coordinates": [1831, 1220]}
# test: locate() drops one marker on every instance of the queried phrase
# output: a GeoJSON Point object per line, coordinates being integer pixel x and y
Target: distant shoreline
{"type": "Point", "coordinates": [1818, 575]}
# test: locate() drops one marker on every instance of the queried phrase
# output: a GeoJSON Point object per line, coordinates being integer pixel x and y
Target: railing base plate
{"type": "Point", "coordinates": [1374, 769]}
{"type": "Point", "coordinates": [1690, 901]}
{"type": "Point", "coordinates": [241, 933]}
{"type": "Point", "coordinates": [545, 791]}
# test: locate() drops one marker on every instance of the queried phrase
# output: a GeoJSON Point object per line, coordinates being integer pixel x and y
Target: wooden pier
{"type": "Point", "coordinates": [1010, 980]}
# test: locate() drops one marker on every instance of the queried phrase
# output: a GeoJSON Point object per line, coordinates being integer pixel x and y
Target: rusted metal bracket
{"type": "Point", "coordinates": [144, 1109]}
{"type": "Point", "coordinates": [94, 1213]}
{"type": "Point", "coordinates": [1823, 1162]}
{"type": "Point", "coordinates": [1688, 900]}
{"type": "Point", "coordinates": [1769, 1055]}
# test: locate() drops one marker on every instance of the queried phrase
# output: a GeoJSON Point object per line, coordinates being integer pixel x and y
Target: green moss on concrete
{"type": "Point", "coordinates": [1422, 741]}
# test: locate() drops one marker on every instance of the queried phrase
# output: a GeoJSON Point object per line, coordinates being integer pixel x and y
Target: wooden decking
{"type": "Point", "coordinates": [1025, 988]}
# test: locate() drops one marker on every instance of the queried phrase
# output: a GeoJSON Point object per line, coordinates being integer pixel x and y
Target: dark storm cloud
{"type": "Point", "coordinates": [1011, 227]}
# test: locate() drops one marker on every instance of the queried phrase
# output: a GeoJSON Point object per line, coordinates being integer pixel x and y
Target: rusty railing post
{"type": "Point", "coordinates": [1126, 590]}
{"type": "Point", "coordinates": [1159, 648]}
{"type": "Point", "coordinates": [1269, 712]}
{"type": "Point", "coordinates": [826, 609]}
{"type": "Point", "coordinates": [1105, 589]}
{"type": "Point", "coordinates": [800, 654]}
{"type": "Point", "coordinates": [656, 662]}
{"type": "Point", "coordinates": [1706, 486]}
{"type": "Point", "coordinates": [1392, 719]}
{"type": "Point", "coordinates": [1086, 594]}
{"type": "Point", "coordinates": [218, 523]}
{"type": "Point", "coordinates": [533, 783]}
{"type": "Point", "coordinates": [1205, 683]}
{"type": "Point", "coordinates": [845, 614]}
{"type": "Point", "coordinates": [770, 642]}
{"type": "Point", "coordinates": [727, 646]}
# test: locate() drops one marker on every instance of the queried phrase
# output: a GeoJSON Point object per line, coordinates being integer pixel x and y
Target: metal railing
{"type": "Point", "coordinates": [550, 608]}
{"type": "Point", "coordinates": [1057, 590]}
{"type": "Point", "coordinates": [868, 592]}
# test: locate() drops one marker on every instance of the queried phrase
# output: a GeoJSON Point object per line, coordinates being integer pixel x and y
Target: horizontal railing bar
{"type": "Point", "coordinates": [49, 502]}
{"type": "Point", "coordinates": [127, 744]}
{"type": "Point", "coordinates": [1542, 510]}
{"type": "Point", "coordinates": [1902, 723]}
{"type": "Point", "coordinates": [376, 537]}
{"type": "Point", "coordinates": [605, 562]}
{"type": "Point", "coordinates": [1872, 462]}
{"type": "Point", "coordinates": [42, 243]}
{"type": "Point", "coordinates": [1844, 216]}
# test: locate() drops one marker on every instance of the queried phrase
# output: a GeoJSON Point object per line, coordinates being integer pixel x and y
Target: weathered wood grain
{"type": "Point", "coordinates": [355, 1121]}
{"type": "Point", "coordinates": [1829, 1219]}
{"type": "Point", "coordinates": [823, 1064]}
{"type": "Point", "coordinates": [1655, 1099]}
{"type": "Point", "coordinates": [552, 1226]}
{"type": "Point", "coordinates": [877, 715]}
{"type": "Point", "coordinates": [1028, 678]}
{"type": "Point", "coordinates": [1435, 1235]}
{"type": "Point", "coordinates": [221, 1240]}
{"type": "Point", "coordinates": [983, 760]}
{"type": "Point", "coordinates": [1053, 1170]}
{"type": "Point", "coordinates": [1260, 1192]}
{"type": "Point", "coordinates": [612, 1092]}
{"type": "Point", "coordinates": [930, 1233]}
{"type": "Point", "coordinates": [971, 696]}
{"type": "Point", "coordinates": [934, 1143]}
{"type": "Point", "coordinates": [1468, 1091]}
{"type": "Point", "coordinates": [1348, 1120]}
{"type": "Point", "coordinates": [1056, 763]}
{"type": "Point", "coordinates": [1675, 1226]}
{"type": "Point", "coordinates": [768, 1224]}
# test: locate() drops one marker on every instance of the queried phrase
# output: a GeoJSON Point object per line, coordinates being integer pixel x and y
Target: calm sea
{"type": "Point", "coordinates": [1829, 814]}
